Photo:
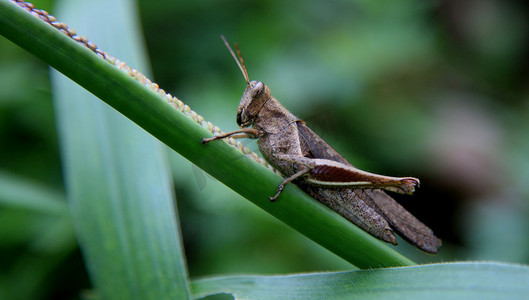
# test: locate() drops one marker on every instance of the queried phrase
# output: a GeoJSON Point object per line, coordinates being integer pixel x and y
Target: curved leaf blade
{"type": "Point", "coordinates": [467, 280]}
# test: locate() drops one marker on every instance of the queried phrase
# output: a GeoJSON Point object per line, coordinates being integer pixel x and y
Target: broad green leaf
{"type": "Point", "coordinates": [118, 181]}
{"type": "Point", "coordinates": [440, 281]}
{"type": "Point", "coordinates": [181, 133]}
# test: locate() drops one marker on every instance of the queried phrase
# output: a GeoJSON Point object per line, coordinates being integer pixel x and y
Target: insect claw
{"type": "Point", "coordinates": [279, 190]}
{"type": "Point", "coordinates": [205, 141]}
{"type": "Point", "coordinates": [410, 184]}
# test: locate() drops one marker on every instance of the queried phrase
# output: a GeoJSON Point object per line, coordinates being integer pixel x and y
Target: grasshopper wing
{"type": "Point", "coordinates": [411, 229]}
{"type": "Point", "coordinates": [313, 146]}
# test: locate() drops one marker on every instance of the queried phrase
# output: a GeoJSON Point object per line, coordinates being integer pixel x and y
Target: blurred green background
{"type": "Point", "coordinates": [431, 89]}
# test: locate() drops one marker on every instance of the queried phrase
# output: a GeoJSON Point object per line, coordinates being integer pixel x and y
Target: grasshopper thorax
{"type": "Point", "coordinates": [253, 100]}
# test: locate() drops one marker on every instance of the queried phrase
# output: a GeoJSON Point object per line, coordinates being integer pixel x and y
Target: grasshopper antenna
{"type": "Point", "coordinates": [241, 63]}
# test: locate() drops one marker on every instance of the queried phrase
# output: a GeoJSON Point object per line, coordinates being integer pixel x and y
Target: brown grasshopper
{"type": "Point", "coordinates": [319, 170]}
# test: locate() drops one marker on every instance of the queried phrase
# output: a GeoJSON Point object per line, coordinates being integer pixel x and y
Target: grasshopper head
{"type": "Point", "coordinates": [253, 100]}
{"type": "Point", "coordinates": [255, 95]}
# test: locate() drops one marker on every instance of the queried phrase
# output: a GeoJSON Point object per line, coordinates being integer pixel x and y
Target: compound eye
{"type": "Point", "coordinates": [239, 119]}
{"type": "Point", "coordinates": [258, 89]}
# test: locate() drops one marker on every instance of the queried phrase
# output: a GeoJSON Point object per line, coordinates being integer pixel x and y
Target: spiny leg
{"type": "Point", "coordinates": [333, 174]}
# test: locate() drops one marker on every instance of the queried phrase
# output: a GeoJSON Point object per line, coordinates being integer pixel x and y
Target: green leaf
{"type": "Point", "coordinates": [41, 230]}
{"type": "Point", "coordinates": [181, 133]}
{"type": "Point", "coordinates": [439, 281]}
{"type": "Point", "coordinates": [118, 182]}
{"type": "Point", "coordinates": [22, 193]}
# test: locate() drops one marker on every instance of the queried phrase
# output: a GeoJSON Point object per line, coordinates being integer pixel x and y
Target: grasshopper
{"type": "Point", "coordinates": [305, 159]}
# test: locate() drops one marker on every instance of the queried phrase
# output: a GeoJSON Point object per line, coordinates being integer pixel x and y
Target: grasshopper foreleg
{"type": "Point", "coordinates": [237, 134]}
